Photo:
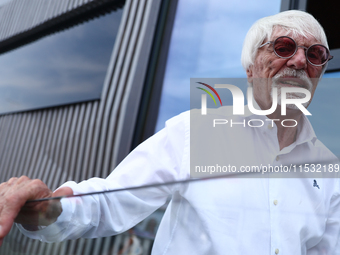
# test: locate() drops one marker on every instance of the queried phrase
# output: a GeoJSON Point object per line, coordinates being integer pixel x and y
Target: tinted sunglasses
{"type": "Point", "coordinates": [286, 47]}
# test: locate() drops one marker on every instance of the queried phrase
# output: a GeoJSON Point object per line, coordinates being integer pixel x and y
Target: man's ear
{"type": "Point", "coordinates": [250, 74]}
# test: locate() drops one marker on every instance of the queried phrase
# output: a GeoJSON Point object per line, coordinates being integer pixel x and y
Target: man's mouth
{"type": "Point", "coordinates": [293, 82]}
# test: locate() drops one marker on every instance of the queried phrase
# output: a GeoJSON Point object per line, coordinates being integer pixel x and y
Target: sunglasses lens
{"type": "Point", "coordinates": [317, 54]}
{"type": "Point", "coordinates": [284, 47]}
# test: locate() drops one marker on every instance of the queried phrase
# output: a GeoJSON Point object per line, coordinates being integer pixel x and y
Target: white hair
{"type": "Point", "coordinates": [297, 22]}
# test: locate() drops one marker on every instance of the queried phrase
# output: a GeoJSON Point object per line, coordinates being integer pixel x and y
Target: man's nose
{"type": "Point", "coordinates": [298, 61]}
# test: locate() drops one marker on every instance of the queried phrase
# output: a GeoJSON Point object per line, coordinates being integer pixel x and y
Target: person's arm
{"type": "Point", "coordinates": [157, 160]}
{"type": "Point", "coordinates": [13, 208]}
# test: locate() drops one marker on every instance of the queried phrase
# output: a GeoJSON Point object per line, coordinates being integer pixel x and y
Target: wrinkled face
{"type": "Point", "coordinates": [292, 72]}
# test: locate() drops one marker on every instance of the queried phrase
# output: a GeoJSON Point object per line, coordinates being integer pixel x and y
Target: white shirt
{"type": "Point", "coordinates": [220, 216]}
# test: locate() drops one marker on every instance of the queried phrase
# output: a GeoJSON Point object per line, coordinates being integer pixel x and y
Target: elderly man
{"type": "Point", "coordinates": [248, 216]}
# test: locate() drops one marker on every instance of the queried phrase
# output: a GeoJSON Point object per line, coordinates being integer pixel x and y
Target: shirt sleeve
{"type": "Point", "coordinates": [160, 159]}
{"type": "Point", "coordinates": [330, 243]}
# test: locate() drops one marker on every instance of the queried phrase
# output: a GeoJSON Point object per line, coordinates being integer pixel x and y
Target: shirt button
{"type": "Point", "coordinates": [275, 202]}
{"type": "Point", "coordinates": [276, 251]}
{"type": "Point", "coordinates": [270, 126]}
{"type": "Point", "coordinates": [277, 158]}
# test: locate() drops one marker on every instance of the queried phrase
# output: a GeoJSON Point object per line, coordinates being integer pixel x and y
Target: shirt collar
{"type": "Point", "coordinates": [305, 132]}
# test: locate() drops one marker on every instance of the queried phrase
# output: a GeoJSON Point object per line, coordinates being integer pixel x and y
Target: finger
{"type": "Point", "coordinates": [42, 213]}
{"type": "Point", "coordinates": [12, 180]}
{"type": "Point", "coordinates": [9, 210]}
{"type": "Point", "coordinates": [54, 208]}
{"type": "Point", "coordinates": [9, 206]}
{"type": "Point", "coordinates": [64, 191]}
{"type": "Point", "coordinates": [14, 196]}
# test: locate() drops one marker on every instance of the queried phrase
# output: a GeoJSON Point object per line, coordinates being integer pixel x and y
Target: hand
{"type": "Point", "coordinates": [13, 196]}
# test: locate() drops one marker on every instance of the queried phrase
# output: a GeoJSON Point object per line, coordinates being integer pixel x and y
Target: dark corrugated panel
{"type": "Point", "coordinates": [25, 21]}
{"type": "Point", "coordinates": [78, 141]}
{"type": "Point", "coordinates": [116, 92]}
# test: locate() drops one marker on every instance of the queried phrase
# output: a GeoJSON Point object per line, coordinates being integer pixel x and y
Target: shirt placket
{"type": "Point", "coordinates": [274, 207]}
{"type": "Point", "coordinates": [274, 201]}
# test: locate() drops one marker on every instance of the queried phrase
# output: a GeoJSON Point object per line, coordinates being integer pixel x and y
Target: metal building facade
{"type": "Point", "coordinates": [77, 141]}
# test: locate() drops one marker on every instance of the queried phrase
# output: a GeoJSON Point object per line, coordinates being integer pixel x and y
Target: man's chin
{"type": "Point", "coordinates": [293, 106]}
{"type": "Point", "coordinates": [295, 95]}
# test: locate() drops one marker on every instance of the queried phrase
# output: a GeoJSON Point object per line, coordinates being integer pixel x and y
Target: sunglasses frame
{"type": "Point", "coordinates": [296, 48]}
